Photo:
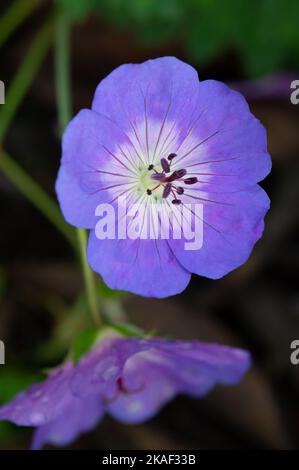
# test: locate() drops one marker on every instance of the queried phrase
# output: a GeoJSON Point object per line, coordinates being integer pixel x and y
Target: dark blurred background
{"type": "Point", "coordinates": [255, 307]}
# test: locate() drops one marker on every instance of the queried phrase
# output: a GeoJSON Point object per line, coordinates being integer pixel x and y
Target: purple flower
{"type": "Point", "coordinates": [269, 87]}
{"type": "Point", "coordinates": [59, 416]}
{"type": "Point", "coordinates": [130, 378]}
{"type": "Point", "coordinates": [160, 137]}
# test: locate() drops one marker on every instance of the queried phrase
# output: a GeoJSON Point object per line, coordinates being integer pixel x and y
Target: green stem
{"type": "Point", "coordinates": [36, 195]}
{"type": "Point", "coordinates": [88, 277]}
{"type": "Point", "coordinates": [14, 16]}
{"type": "Point", "coordinates": [63, 86]}
{"type": "Point", "coordinates": [25, 75]}
{"type": "Point", "coordinates": [62, 68]}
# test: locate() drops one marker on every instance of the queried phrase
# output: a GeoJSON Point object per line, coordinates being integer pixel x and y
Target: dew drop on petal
{"type": "Point", "coordinates": [134, 406]}
{"type": "Point", "coordinates": [37, 418]}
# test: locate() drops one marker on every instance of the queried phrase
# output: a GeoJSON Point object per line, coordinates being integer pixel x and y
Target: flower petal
{"type": "Point", "coordinates": [164, 369]}
{"type": "Point", "coordinates": [231, 223]}
{"type": "Point", "coordinates": [226, 146]}
{"type": "Point", "coordinates": [79, 416]}
{"type": "Point", "coordinates": [155, 91]}
{"type": "Point", "coordinates": [89, 167]}
{"type": "Point", "coordinates": [42, 402]}
{"type": "Point", "coordinates": [144, 267]}
{"type": "Point", "coordinates": [98, 371]}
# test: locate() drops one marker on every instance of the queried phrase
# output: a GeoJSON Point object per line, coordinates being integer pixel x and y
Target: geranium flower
{"type": "Point", "coordinates": [160, 137]}
{"type": "Point", "coordinates": [130, 378]}
{"type": "Point", "coordinates": [58, 415]}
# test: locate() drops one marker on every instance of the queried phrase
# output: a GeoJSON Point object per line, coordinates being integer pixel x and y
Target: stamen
{"type": "Point", "coordinates": [158, 176]}
{"type": "Point", "coordinates": [166, 181]}
{"type": "Point", "coordinates": [177, 174]}
{"type": "Point", "coordinates": [165, 165]}
{"type": "Point", "coordinates": [191, 180]}
{"type": "Point", "coordinates": [166, 191]}
{"type": "Point", "coordinates": [177, 202]}
{"type": "Point", "coordinates": [180, 173]}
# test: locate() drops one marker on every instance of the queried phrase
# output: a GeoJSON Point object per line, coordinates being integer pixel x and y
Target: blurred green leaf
{"type": "Point", "coordinates": [265, 33]}
{"type": "Point", "coordinates": [83, 343]}
{"type": "Point", "coordinates": [105, 292]}
{"type": "Point", "coordinates": [7, 431]}
{"type": "Point", "coordinates": [127, 329]}
{"type": "Point", "coordinates": [14, 380]}
{"type": "Point", "coordinates": [76, 9]}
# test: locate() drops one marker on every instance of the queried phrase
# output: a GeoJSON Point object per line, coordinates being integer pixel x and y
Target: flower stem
{"type": "Point", "coordinates": [14, 16]}
{"type": "Point", "coordinates": [36, 195]}
{"type": "Point", "coordinates": [63, 87]}
{"type": "Point", "coordinates": [88, 277]}
{"type": "Point", "coordinates": [62, 71]}
{"type": "Point", "coordinates": [25, 74]}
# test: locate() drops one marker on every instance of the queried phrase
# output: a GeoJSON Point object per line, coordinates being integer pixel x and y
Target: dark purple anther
{"type": "Point", "coordinates": [150, 167]}
{"type": "Point", "coordinates": [176, 202]}
{"type": "Point", "coordinates": [162, 178]}
{"type": "Point", "coordinates": [192, 180]}
{"type": "Point", "coordinates": [165, 165]}
{"type": "Point", "coordinates": [178, 174]}
{"type": "Point", "coordinates": [148, 192]}
{"type": "Point", "coordinates": [166, 191]}
{"type": "Point", "coordinates": [158, 176]}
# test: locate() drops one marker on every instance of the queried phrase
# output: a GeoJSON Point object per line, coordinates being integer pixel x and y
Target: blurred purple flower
{"type": "Point", "coordinates": [146, 118]}
{"type": "Point", "coordinates": [59, 416]}
{"type": "Point", "coordinates": [130, 378]}
{"type": "Point", "coordinates": [270, 87]}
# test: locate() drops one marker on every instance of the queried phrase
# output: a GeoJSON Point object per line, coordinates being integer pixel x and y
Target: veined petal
{"type": "Point", "coordinates": [231, 223]}
{"type": "Point", "coordinates": [156, 91]}
{"type": "Point", "coordinates": [226, 147]}
{"type": "Point", "coordinates": [145, 267]}
{"type": "Point", "coordinates": [91, 172]}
